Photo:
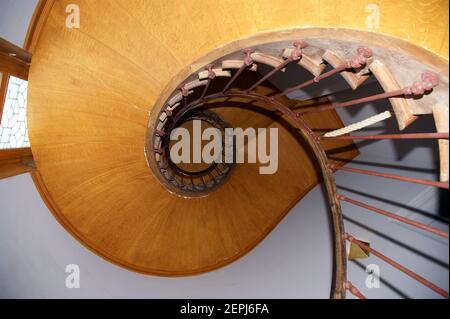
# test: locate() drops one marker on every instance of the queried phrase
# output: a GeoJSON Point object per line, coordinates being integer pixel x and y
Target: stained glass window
{"type": "Point", "coordinates": [13, 126]}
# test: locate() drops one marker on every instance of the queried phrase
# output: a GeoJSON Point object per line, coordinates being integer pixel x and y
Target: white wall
{"type": "Point", "coordinates": [14, 18]}
{"type": "Point", "coordinates": [294, 261]}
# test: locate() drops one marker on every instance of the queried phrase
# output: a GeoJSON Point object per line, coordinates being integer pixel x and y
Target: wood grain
{"type": "Point", "coordinates": [13, 50]}
{"type": "Point", "coordinates": [440, 114]}
{"type": "Point", "coordinates": [14, 60]}
{"type": "Point", "coordinates": [3, 91]}
{"type": "Point", "coordinates": [13, 66]}
{"type": "Point", "coordinates": [15, 161]}
{"type": "Point", "coordinates": [400, 105]}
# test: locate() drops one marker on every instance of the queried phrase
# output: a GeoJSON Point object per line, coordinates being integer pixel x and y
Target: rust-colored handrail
{"type": "Point", "coordinates": [362, 100]}
{"type": "Point", "coordinates": [391, 176]}
{"type": "Point", "coordinates": [428, 82]}
{"type": "Point", "coordinates": [405, 220]}
{"type": "Point", "coordinates": [295, 56]}
{"type": "Point", "coordinates": [405, 136]}
{"type": "Point", "coordinates": [314, 80]}
{"type": "Point", "coordinates": [357, 61]}
{"type": "Point", "coordinates": [353, 290]}
{"type": "Point", "coordinates": [248, 61]}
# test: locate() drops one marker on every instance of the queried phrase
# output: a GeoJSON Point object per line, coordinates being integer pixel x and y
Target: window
{"type": "Point", "coordinates": [13, 126]}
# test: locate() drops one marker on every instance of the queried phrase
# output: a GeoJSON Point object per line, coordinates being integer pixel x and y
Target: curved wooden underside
{"type": "Point", "coordinates": [90, 94]}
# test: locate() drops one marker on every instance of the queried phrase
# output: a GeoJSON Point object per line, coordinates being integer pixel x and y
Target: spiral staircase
{"type": "Point", "coordinates": [102, 105]}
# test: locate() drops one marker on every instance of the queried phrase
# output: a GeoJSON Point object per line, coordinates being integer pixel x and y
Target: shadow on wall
{"type": "Point", "coordinates": [439, 217]}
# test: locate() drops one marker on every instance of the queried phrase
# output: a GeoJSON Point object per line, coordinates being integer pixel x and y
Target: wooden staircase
{"type": "Point", "coordinates": [93, 90]}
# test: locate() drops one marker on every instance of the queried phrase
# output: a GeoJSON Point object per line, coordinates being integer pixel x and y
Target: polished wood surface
{"type": "Point", "coordinates": [90, 93]}
{"type": "Point", "coordinates": [14, 60]}
{"type": "Point", "coordinates": [400, 106]}
{"type": "Point", "coordinates": [12, 66]}
{"type": "Point", "coordinates": [15, 51]}
{"type": "Point", "coordinates": [15, 161]}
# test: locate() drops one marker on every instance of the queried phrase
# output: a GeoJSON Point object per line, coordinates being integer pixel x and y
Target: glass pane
{"type": "Point", "coordinates": [13, 128]}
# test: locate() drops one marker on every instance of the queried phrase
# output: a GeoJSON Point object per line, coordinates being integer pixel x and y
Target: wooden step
{"type": "Point", "coordinates": [440, 114]}
{"type": "Point", "coordinates": [312, 62]}
{"type": "Point", "coordinates": [388, 82]}
{"type": "Point", "coordinates": [237, 64]}
{"type": "Point", "coordinates": [203, 75]}
{"type": "Point", "coordinates": [354, 79]}
{"type": "Point", "coordinates": [267, 59]}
